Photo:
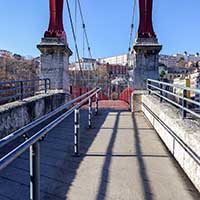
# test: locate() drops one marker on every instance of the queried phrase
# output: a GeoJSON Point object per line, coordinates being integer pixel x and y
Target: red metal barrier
{"type": "Point", "coordinates": [102, 96]}
{"type": "Point", "coordinates": [126, 95]}
{"type": "Point", "coordinates": [76, 91]}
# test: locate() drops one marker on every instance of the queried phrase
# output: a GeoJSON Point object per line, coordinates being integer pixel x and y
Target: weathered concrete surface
{"type": "Point", "coordinates": [122, 159]}
{"type": "Point", "coordinates": [55, 55]}
{"type": "Point", "coordinates": [19, 113]}
{"type": "Point", "coordinates": [182, 137]}
{"type": "Point", "coordinates": [146, 61]}
{"type": "Point", "coordinates": [136, 101]}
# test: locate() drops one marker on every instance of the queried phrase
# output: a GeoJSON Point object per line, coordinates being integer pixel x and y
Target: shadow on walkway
{"type": "Point", "coordinates": [147, 191]}
{"type": "Point", "coordinates": [107, 163]}
{"type": "Point", "coordinates": [58, 166]}
{"type": "Point", "coordinates": [60, 170]}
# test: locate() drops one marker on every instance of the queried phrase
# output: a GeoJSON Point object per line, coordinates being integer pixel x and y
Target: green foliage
{"type": "Point", "coordinates": [162, 74]}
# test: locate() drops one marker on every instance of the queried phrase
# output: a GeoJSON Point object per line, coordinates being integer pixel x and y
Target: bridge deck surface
{"type": "Point", "coordinates": [122, 159]}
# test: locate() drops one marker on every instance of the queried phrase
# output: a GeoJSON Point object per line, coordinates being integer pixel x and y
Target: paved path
{"type": "Point", "coordinates": [122, 159]}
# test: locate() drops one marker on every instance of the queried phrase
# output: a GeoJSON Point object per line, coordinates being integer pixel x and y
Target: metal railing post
{"type": "Point", "coordinates": [45, 86]}
{"type": "Point", "coordinates": [35, 171]}
{"type": "Point", "coordinates": [184, 104]}
{"type": "Point", "coordinates": [161, 92]}
{"type": "Point", "coordinates": [49, 83]}
{"type": "Point", "coordinates": [97, 104]}
{"type": "Point", "coordinates": [148, 86]}
{"type": "Point", "coordinates": [71, 89]}
{"type": "Point", "coordinates": [21, 90]}
{"type": "Point", "coordinates": [90, 113]}
{"type": "Point", "coordinates": [76, 132]}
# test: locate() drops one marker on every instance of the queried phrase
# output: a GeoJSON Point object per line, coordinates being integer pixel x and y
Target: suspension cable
{"type": "Point", "coordinates": [75, 40]}
{"type": "Point", "coordinates": [75, 56]}
{"type": "Point", "coordinates": [84, 28]}
{"type": "Point", "coordinates": [132, 26]}
{"type": "Point", "coordinates": [75, 20]}
{"type": "Point", "coordinates": [86, 38]}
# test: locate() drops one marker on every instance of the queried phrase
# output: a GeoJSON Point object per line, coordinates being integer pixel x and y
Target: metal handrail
{"type": "Point", "coordinates": [38, 121]}
{"type": "Point", "coordinates": [19, 89]}
{"type": "Point", "coordinates": [176, 95]}
{"type": "Point", "coordinates": [175, 86]}
{"type": "Point", "coordinates": [25, 81]}
{"type": "Point", "coordinates": [156, 87]}
{"type": "Point", "coordinates": [33, 142]}
{"type": "Point", "coordinates": [11, 156]}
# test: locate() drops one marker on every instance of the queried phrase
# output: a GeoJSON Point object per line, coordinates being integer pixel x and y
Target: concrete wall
{"type": "Point", "coordinates": [17, 114]}
{"type": "Point", "coordinates": [182, 137]}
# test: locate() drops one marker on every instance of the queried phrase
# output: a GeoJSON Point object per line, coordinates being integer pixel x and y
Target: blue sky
{"type": "Point", "coordinates": [176, 22]}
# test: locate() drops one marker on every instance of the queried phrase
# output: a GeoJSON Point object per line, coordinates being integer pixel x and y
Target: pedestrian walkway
{"type": "Point", "coordinates": [122, 158]}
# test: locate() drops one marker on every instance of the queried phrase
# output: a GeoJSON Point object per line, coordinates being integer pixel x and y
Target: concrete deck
{"type": "Point", "coordinates": [122, 159]}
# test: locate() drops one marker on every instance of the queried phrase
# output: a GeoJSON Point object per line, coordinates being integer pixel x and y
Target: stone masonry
{"type": "Point", "coordinates": [146, 61]}
{"type": "Point", "coordinates": [55, 55]}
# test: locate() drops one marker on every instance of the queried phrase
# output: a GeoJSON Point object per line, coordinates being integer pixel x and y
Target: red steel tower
{"type": "Point", "coordinates": [146, 26]}
{"type": "Point", "coordinates": [146, 48]}
{"type": "Point", "coordinates": [56, 28]}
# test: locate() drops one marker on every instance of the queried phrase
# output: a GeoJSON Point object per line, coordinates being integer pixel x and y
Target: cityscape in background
{"type": "Point", "coordinates": [172, 68]}
{"type": "Point", "coordinates": [118, 69]}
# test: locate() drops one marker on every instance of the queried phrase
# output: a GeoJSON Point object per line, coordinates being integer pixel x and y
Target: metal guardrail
{"type": "Point", "coordinates": [166, 91]}
{"type": "Point", "coordinates": [33, 143]}
{"type": "Point", "coordinates": [18, 90]}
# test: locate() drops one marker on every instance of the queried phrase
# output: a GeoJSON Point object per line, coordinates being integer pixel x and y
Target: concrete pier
{"type": "Point", "coordinates": [55, 55]}
{"type": "Point", "coordinates": [146, 52]}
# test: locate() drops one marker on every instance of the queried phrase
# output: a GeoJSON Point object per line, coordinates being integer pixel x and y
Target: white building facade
{"type": "Point", "coordinates": [115, 60]}
{"type": "Point", "coordinates": [86, 65]}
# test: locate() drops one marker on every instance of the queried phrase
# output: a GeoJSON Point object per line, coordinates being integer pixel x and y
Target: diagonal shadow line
{"type": "Point", "coordinates": [101, 195]}
{"type": "Point", "coordinates": [125, 155]}
{"type": "Point", "coordinates": [147, 191]}
{"type": "Point", "coordinates": [142, 129]}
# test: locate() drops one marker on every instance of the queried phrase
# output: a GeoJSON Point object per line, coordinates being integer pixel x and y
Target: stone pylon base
{"type": "Point", "coordinates": [146, 62]}
{"type": "Point", "coordinates": [55, 55]}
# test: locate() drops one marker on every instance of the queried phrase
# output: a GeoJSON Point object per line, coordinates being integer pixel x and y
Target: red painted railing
{"type": "Point", "coordinates": [126, 95]}
{"type": "Point", "coordinates": [77, 91]}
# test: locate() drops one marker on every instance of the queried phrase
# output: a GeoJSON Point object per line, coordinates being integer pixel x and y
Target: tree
{"type": "Point", "coordinates": [162, 74]}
